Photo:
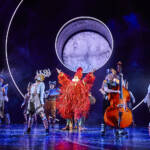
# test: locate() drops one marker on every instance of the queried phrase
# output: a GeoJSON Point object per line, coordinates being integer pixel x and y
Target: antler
{"type": "Point", "coordinates": [37, 73]}
{"type": "Point", "coordinates": [45, 72]}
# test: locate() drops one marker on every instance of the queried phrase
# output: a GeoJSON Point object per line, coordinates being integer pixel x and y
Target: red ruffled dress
{"type": "Point", "coordinates": [73, 102]}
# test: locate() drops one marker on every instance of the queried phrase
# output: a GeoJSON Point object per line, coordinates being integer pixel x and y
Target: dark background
{"type": "Point", "coordinates": [32, 37]}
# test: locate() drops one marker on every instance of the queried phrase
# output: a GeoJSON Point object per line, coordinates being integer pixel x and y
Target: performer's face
{"type": "Point", "coordinates": [118, 68]}
{"type": "Point", "coordinates": [37, 78]}
{"type": "Point", "coordinates": [51, 86]}
{"type": "Point", "coordinates": [110, 76]}
{"type": "Point", "coordinates": [75, 79]}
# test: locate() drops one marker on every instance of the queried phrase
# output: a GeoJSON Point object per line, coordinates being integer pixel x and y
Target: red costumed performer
{"type": "Point", "coordinates": [73, 102]}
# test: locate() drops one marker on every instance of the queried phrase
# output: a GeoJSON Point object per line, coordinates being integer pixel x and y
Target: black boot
{"type": "Point", "coordinates": [47, 131]}
{"type": "Point", "coordinates": [28, 130]}
{"type": "Point", "coordinates": [29, 125]}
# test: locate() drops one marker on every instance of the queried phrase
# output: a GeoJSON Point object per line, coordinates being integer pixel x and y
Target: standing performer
{"type": "Point", "coordinates": [107, 87]}
{"type": "Point", "coordinates": [50, 104]}
{"type": "Point", "coordinates": [3, 98]}
{"type": "Point", "coordinates": [24, 105]}
{"type": "Point", "coordinates": [36, 100]}
{"type": "Point", "coordinates": [73, 102]}
{"type": "Point", "coordinates": [25, 102]}
{"type": "Point", "coordinates": [118, 114]}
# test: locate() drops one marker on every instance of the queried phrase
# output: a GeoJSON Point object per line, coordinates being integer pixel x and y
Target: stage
{"type": "Point", "coordinates": [12, 137]}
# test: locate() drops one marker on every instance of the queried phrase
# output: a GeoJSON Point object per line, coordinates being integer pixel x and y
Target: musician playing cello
{"type": "Point", "coordinates": [117, 115]}
{"type": "Point", "coordinates": [107, 87]}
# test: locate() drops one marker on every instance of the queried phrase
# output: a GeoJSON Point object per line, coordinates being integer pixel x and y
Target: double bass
{"type": "Point", "coordinates": [118, 114]}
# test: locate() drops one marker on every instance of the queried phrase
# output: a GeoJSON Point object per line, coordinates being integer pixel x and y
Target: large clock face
{"type": "Point", "coordinates": [84, 42]}
{"type": "Point", "coordinates": [88, 50]}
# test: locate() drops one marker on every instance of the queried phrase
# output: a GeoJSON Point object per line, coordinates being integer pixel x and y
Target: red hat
{"type": "Point", "coordinates": [79, 73]}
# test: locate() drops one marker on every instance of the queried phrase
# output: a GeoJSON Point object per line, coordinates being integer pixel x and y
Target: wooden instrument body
{"type": "Point", "coordinates": [118, 105]}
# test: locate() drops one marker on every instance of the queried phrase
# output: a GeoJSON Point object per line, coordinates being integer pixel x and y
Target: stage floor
{"type": "Point", "coordinates": [12, 137]}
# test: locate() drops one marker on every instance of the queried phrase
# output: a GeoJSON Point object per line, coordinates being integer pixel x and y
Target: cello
{"type": "Point", "coordinates": [118, 114]}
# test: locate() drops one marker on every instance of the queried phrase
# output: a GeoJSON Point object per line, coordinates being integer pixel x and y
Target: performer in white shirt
{"type": "Point", "coordinates": [36, 100]}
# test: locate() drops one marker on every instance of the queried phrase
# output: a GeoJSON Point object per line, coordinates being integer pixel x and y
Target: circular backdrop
{"type": "Point", "coordinates": [84, 42]}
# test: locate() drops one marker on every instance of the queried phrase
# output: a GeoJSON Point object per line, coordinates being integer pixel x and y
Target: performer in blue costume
{"type": "Point", "coordinates": [50, 103]}
{"type": "Point", "coordinates": [3, 98]}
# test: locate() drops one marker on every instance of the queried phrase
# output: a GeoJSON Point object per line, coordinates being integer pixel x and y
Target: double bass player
{"type": "Point", "coordinates": [117, 115]}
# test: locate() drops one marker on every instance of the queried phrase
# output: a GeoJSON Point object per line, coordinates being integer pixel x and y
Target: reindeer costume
{"type": "Point", "coordinates": [36, 100]}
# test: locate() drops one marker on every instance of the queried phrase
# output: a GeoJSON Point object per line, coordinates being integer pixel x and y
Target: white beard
{"type": "Point", "coordinates": [75, 80]}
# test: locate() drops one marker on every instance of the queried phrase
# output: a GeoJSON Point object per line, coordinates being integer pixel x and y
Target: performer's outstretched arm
{"type": "Point", "coordinates": [24, 101]}
{"type": "Point", "coordinates": [62, 78]}
{"type": "Point", "coordinates": [89, 79]}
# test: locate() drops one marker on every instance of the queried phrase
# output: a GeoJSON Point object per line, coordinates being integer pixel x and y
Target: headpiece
{"type": "Point", "coordinates": [29, 84]}
{"type": "Point", "coordinates": [119, 66]}
{"type": "Point", "coordinates": [52, 82]}
{"type": "Point", "coordinates": [79, 73]}
{"type": "Point", "coordinates": [43, 74]}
